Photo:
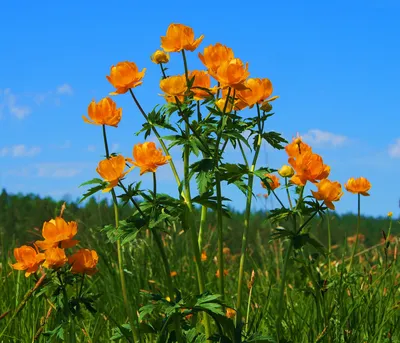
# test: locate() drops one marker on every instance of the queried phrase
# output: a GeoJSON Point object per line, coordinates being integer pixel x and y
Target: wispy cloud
{"type": "Point", "coordinates": [91, 148]}
{"type": "Point", "coordinates": [19, 150]}
{"type": "Point", "coordinates": [394, 149]}
{"type": "Point", "coordinates": [65, 89]}
{"type": "Point", "coordinates": [59, 170]}
{"type": "Point", "coordinates": [9, 102]}
{"type": "Point", "coordinates": [324, 138]}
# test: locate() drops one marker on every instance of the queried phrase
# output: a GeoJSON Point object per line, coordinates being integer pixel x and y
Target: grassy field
{"type": "Point", "coordinates": [361, 306]}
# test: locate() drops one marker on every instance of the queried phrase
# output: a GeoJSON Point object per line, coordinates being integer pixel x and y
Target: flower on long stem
{"type": "Point", "coordinates": [58, 233]}
{"type": "Point", "coordinates": [214, 55]}
{"type": "Point", "coordinates": [104, 112]}
{"type": "Point", "coordinates": [358, 186]}
{"type": "Point", "coordinates": [112, 170]}
{"type": "Point", "coordinates": [54, 258]}
{"type": "Point", "coordinates": [180, 37]}
{"type": "Point", "coordinates": [124, 76]}
{"type": "Point", "coordinates": [328, 191]}
{"type": "Point", "coordinates": [160, 56]}
{"type": "Point", "coordinates": [84, 261]}
{"type": "Point", "coordinates": [148, 158]}
{"type": "Point", "coordinates": [28, 259]}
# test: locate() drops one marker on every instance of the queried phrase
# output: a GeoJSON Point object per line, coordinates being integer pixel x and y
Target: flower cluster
{"type": "Point", "coordinates": [58, 235]}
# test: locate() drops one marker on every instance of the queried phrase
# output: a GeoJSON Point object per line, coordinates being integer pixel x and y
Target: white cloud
{"type": "Point", "coordinates": [64, 89]}
{"type": "Point", "coordinates": [324, 138]}
{"type": "Point", "coordinates": [59, 170]}
{"type": "Point", "coordinates": [19, 150]}
{"type": "Point", "coordinates": [394, 149]}
{"type": "Point", "coordinates": [9, 102]}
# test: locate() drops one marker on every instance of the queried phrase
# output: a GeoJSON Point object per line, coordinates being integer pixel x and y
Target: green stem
{"type": "Point", "coordinates": [164, 258]}
{"type": "Point", "coordinates": [248, 309]}
{"type": "Point", "coordinates": [163, 71]}
{"type": "Point", "coordinates": [157, 134]}
{"type": "Point", "coordinates": [133, 320]}
{"type": "Point", "coordinates": [288, 194]}
{"type": "Point", "coordinates": [203, 223]}
{"type": "Point", "coordinates": [247, 219]}
{"type": "Point", "coordinates": [282, 290]}
{"type": "Point", "coordinates": [329, 243]}
{"type": "Point", "coordinates": [358, 231]}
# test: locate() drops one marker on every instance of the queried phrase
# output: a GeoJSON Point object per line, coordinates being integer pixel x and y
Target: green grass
{"type": "Point", "coordinates": [361, 306]}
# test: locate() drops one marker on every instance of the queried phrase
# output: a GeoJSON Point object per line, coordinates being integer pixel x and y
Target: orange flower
{"type": "Point", "coordinates": [105, 112]}
{"type": "Point", "coordinates": [148, 157]}
{"type": "Point", "coordinates": [214, 55]}
{"type": "Point", "coordinates": [231, 73]}
{"type": "Point", "coordinates": [203, 256]}
{"type": "Point", "coordinates": [226, 251]}
{"type": "Point", "coordinates": [160, 56]}
{"type": "Point", "coordinates": [308, 167]}
{"type": "Point", "coordinates": [174, 87]}
{"type": "Point", "coordinates": [358, 186]}
{"type": "Point", "coordinates": [180, 37]}
{"type": "Point", "coordinates": [256, 91]}
{"type": "Point", "coordinates": [201, 80]}
{"type": "Point", "coordinates": [84, 261]}
{"type": "Point", "coordinates": [173, 273]}
{"type": "Point", "coordinates": [217, 274]}
{"type": "Point", "coordinates": [230, 312]}
{"type": "Point", "coordinates": [352, 239]}
{"type": "Point", "coordinates": [297, 147]}
{"type": "Point", "coordinates": [58, 232]}
{"type": "Point", "coordinates": [328, 191]}
{"type": "Point", "coordinates": [27, 259]}
{"type": "Point", "coordinates": [54, 258]}
{"type": "Point", "coordinates": [273, 182]}
{"type": "Point", "coordinates": [112, 170]}
{"type": "Point", "coordinates": [125, 75]}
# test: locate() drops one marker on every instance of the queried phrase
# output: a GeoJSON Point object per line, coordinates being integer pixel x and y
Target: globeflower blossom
{"type": "Point", "coordinates": [180, 37]}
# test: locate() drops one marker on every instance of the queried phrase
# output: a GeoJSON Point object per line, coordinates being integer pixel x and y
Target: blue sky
{"type": "Point", "coordinates": [335, 66]}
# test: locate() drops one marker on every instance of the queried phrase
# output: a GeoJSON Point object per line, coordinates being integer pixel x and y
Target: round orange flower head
{"type": "Point", "coordinates": [112, 170]}
{"type": "Point", "coordinates": [125, 75]}
{"type": "Point", "coordinates": [58, 233]}
{"type": "Point", "coordinates": [159, 57]}
{"type": "Point", "coordinates": [84, 261]}
{"type": "Point", "coordinates": [231, 73]}
{"type": "Point", "coordinates": [286, 171]}
{"type": "Point", "coordinates": [173, 273]}
{"type": "Point", "coordinates": [358, 186]}
{"type": "Point", "coordinates": [252, 94]}
{"type": "Point", "coordinates": [203, 256]}
{"type": "Point", "coordinates": [148, 157]}
{"type": "Point", "coordinates": [105, 112]}
{"type": "Point", "coordinates": [273, 182]}
{"type": "Point", "coordinates": [201, 80]}
{"type": "Point", "coordinates": [308, 167]}
{"type": "Point", "coordinates": [230, 313]}
{"type": "Point", "coordinates": [297, 147]}
{"type": "Point", "coordinates": [174, 87]}
{"type": "Point", "coordinates": [54, 258]}
{"type": "Point", "coordinates": [28, 259]}
{"type": "Point", "coordinates": [180, 37]}
{"type": "Point", "coordinates": [328, 191]}
{"type": "Point", "coordinates": [214, 55]}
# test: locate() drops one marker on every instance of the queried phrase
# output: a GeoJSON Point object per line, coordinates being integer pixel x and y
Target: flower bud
{"type": "Point", "coordinates": [160, 56]}
{"type": "Point", "coordinates": [266, 106]}
{"type": "Point", "coordinates": [286, 171]}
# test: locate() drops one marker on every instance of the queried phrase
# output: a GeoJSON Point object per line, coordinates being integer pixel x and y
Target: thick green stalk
{"type": "Point", "coordinates": [203, 222]}
{"type": "Point", "coordinates": [288, 193]}
{"type": "Point", "coordinates": [329, 243]}
{"type": "Point", "coordinates": [133, 320]}
{"type": "Point", "coordinates": [358, 231]}
{"type": "Point", "coordinates": [247, 220]}
{"type": "Point", "coordinates": [282, 290]}
{"type": "Point", "coordinates": [167, 268]}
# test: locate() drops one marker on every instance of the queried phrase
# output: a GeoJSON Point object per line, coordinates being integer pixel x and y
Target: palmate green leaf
{"type": "Point", "coordinates": [234, 135]}
{"type": "Point", "coordinates": [208, 200]}
{"type": "Point", "coordinates": [204, 170]}
{"type": "Point", "coordinates": [92, 191]}
{"type": "Point", "coordinates": [92, 182]}
{"type": "Point", "coordinates": [274, 139]}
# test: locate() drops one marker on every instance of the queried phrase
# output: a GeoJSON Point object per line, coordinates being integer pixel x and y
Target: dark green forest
{"type": "Point", "coordinates": [22, 216]}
